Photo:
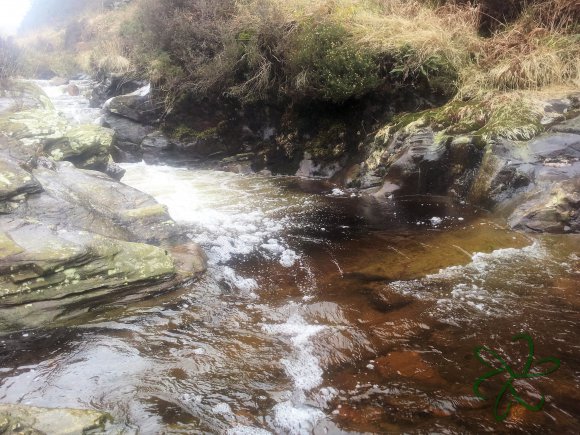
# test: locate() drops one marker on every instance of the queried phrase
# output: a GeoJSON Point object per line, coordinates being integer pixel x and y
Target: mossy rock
{"type": "Point", "coordinates": [41, 264]}
{"type": "Point", "coordinates": [44, 132]}
{"type": "Point", "coordinates": [17, 96]}
{"type": "Point", "coordinates": [15, 181]}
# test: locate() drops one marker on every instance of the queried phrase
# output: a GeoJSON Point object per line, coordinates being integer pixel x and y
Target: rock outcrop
{"type": "Point", "coordinates": [38, 132]}
{"type": "Point", "coordinates": [531, 178]}
{"type": "Point", "coordinates": [71, 236]}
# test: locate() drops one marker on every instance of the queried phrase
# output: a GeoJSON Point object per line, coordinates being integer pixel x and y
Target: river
{"type": "Point", "coordinates": [323, 311]}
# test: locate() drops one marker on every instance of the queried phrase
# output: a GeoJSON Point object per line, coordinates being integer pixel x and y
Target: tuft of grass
{"type": "Point", "coordinates": [513, 115]}
{"type": "Point", "coordinates": [518, 59]}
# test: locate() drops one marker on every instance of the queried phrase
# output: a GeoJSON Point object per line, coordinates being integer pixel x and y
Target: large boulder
{"type": "Point", "coordinates": [535, 183]}
{"type": "Point", "coordinates": [554, 209]}
{"type": "Point", "coordinates": [91, 201]}
{"type": "Point", "coordinates": [415, 160]}
{"type": "Point", "coordinates": [112, 86]}
{"type": "Point", "coordinates": [19, 95]}
{"type": "Point", "coordinates": [130, 135]}
{"type": "Point", "coordinates": [39, 263]}
{"type": "Point", "coordinates": [70, 237]}
{"type": "Point", "coordinates": [529, 177]}
{"type": "Point", "coordinates": [138, 106]}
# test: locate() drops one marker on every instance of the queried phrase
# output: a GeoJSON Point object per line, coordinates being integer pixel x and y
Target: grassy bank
{"type": "Point", "coordinates": [332, 52]}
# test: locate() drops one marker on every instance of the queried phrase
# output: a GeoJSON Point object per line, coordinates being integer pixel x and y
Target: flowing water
{"type": "Point", "coordinates": [322, 311]}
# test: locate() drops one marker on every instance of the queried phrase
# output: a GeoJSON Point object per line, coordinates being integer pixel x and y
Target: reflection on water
{"type": "Point", "coordinates": [322, 312]}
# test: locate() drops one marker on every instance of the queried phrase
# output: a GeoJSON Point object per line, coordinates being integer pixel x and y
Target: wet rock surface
{"type": "Point", "coordinates": [20, 419]}
{"type": "Point", "coordinates": [44, 132]}
{"type": "Point", "coordinates": [112, 86]}
{"type": "Point", "coordinates": [69, 235]}
{"type": "Point", "coordinates": [530, 181]}
{"type": "Point", "coordinates": [72, 232]}
{"type": "Point", "coordinates": [18, 96]}
{"type": "Point", "coordinates": [138, 106]}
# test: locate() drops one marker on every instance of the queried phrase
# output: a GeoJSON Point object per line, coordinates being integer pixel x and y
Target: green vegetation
{"type": "Point", "coordinates": [327, 66]}
{"type": "Point", "coordinates": [513, 116]}
{"type": "Point", "coordinates": [333, 50]}
{"type": "Point", "coordinates": [487, 58]}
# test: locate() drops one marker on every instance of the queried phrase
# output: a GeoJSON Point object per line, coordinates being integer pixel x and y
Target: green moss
{"type": "Point", "coordinates": [182, 132]}
{"type": "Point", "coordinates": [8, 247]}
{"type": "Point", "coordinates": [485, 121]}
{"type": "Point", "coordinates": [145, 212]}
{"type": "Point", "coordinates": [329, 66]}
{"type": "Point", "coordinates": [329, 143]}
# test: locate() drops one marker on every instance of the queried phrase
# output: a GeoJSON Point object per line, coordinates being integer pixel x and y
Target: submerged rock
{"type": "Point", "coordinates": [410, 365]}
{"type": "Point", "coordinates": [20, 419]}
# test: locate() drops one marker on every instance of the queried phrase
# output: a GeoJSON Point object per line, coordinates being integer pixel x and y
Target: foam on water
{"type": "Point", "coordinates": [247, 430]}
{"type": "Point", "coordinates": [75, 108]}
{"type": "Point", "coordinates": [303, 366]}
{"type": "Point", "coordinates": [296, 419]}
{"type": "Point", "coordinates": [231, 220]}
{"type": "Point", "coordinates": [226, 220]}
{"type": "Point", "coordinates": [461, 291]}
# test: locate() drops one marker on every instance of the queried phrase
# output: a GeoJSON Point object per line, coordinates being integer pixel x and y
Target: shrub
{"type": "Point", "coordinates": [327, 65]}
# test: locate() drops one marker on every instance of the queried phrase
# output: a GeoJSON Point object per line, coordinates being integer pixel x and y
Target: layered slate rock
{"type": "Point", "coordinates": [71, 238]}
{"type": "Point", "coordinates": [533, 182]}
{"type": "Point", "coordinates": [40, 263]}
{"type": "Point", "coordinates": [78, 235]}
{"type": "Point", "coordinates": [44, 132]}
{"type": "Point", "coordinates": [19, 96]}
{"type": "Point", "coordinates": [15, 183]}
{"type": "Point", "coordinates": [92, 201]}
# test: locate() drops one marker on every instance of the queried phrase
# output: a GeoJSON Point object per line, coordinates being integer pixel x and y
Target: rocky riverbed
{"type": "Point", "coordinates": [325, 307]}
{"type": "Point", "coordinates": [70, 232]}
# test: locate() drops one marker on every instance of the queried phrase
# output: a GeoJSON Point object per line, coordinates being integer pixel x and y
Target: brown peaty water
{"type": "Point", "coordinates": [322, 312]}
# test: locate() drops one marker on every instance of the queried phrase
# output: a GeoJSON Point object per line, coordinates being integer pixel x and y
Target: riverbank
{"type": "Point", "coordinates": [70, 234]}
